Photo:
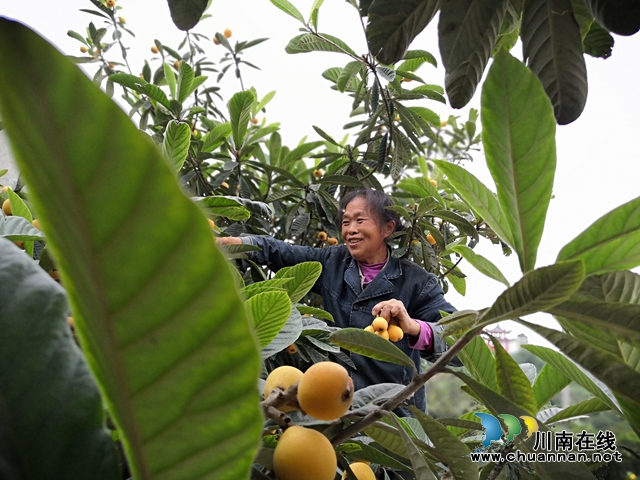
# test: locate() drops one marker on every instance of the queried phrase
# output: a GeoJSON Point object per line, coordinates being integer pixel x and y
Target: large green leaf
{"type": "Point", "coordinates": [187, 13]}
{"type": "Point", "coordinates": [228, 207]}
{"type": "Point", "coordinates": [156, 309]}
{"type": "Point", "coordinates": [549, 382]}
{"type": "Point", "coordinates": [586, 407]}
{"type": "Point", "coordinates": [303, 275]}
{"type": "Point", "coordinates": [497, 405]}
{"type": "Point", "coordinates": [311, 42]}
{"type": "Point", "coordinates": [240, 113]}
{"type": "Point", "coordinates": [610, 243]}
{"type": "Point", "coordinates": [596, 337]}
{"type": "Point", "coordinates": [53, 424]}
{"type": "Point", "coordinates": [598, 42]}
{"type": "Point", "coordinates": [467, 32]}
{"type": "Point", "coordinates": [19, 229]}
{"type": "Point", "coordinates": [552, 47]}
{"type": "Point", "coordinates": [185, 81]}
{"type": "Point", "coordinates": [480, 263]}
{"type": "Point", "coordinates": [599, 308]}
{"type": "Point", "coordinates": [479, 361]}
{"type": "Point", "coordinates": [568, 368]}
{"type": "Point", "coordinates": [370, 345]}
{"type": "Point", "coordinates": [537, 291]}
{"type": "Point", "coordinates": [289, 9]}
{"type": "Point", "coordinates": [518, 133]}
{"type": "Point", "coordinates": [215, 137]}
{"type": "Point", "coordinates": [369, 453]}
{"type": "Point", "coordinates": [479, 197]}
{"type": "Point", "coordinates": [512, 381]}
{"type": "Point", "coordinates": [454, 452]}
{"type": "Point", "coordinates": [420, 467]}
{"type": "Point", "coordinates": [617, 16]}
{"type": "Point", "coordinates": [176, 144]}
{"type": "Point", "coordinates": [393, 26]}
{"type": "Point", "coordinates": [269, 313]}
{"type": "Point", "coordinates": [288, 334]}
{"type": "Point", "coordinates": [622, 379]}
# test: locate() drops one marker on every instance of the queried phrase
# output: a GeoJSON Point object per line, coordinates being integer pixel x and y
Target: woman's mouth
{"type": "Point", "coordinates": [354, 241]}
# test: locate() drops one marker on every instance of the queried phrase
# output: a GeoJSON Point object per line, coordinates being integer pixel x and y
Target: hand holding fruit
{"type": "Point", "coordinates": [395, 313]}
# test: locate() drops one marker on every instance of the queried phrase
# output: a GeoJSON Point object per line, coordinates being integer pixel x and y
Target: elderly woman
{"type": "Point", "coordinates": [361, 280]}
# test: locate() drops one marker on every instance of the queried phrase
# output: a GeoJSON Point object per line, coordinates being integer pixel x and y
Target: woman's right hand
{"type": "Point", "coordinates": [228, 240]}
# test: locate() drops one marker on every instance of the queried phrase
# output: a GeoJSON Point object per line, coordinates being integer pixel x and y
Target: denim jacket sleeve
{"type": "Point", "coordinates": [277, 254]}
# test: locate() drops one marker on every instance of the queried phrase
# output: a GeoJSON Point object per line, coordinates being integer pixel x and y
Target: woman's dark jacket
{"type": "Point", "coordinates": [343, 297]}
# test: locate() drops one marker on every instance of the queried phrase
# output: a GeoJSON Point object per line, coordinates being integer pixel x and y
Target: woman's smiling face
{"type": "Point", "coordinates": [363, 234]}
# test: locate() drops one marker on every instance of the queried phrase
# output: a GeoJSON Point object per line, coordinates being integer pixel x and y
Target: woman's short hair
{"type": "Point", "coordinates": [376, 202]}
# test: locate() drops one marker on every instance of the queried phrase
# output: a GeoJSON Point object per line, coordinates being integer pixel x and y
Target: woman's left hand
{"type": "Point", "coordinates": [394, 312]}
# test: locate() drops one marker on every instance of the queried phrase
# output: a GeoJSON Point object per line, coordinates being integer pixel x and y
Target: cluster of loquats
{"type": "Point", "coordinates": [322, 236]}
{"type": "Point", "coordinates": [325, 391]}
{"type": "Point", "coordinates": [381, 327]}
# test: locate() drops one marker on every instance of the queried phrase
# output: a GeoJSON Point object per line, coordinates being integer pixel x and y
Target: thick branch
{"type": "Point", "coordinates": [279, 398]}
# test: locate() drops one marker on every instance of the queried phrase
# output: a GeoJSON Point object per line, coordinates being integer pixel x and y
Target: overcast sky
{"type": "Point", "coordinates": [598, 158]}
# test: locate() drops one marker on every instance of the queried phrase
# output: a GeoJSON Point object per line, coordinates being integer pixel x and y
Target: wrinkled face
{"type": "Point", "coordinates": [362, 233]}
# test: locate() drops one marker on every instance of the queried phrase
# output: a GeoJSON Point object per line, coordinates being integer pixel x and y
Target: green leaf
{"type": "Point", "coordinates": [597, 304]}
{"type": "Point", "coordinates": [176, 142]}
{"type": "Point", "coordinates": [322, 42]}
{"type": "Point", "coordinates": [420, 467]}
{"type": "Point", "coordinates": [621, 17]}
{"type": "Point", "coordinates": [610, 243]}
{"type": "Point", "coordinates": [549, 383]}
{"type": "Point", "coordinates": [171, 79]}
{"type": "Point", "coordinates": [480, 263]}
{"type": "Point", "coordinates": [467, 32]}
{"type": "Point", "coordinates": [479, 197]}
{"type": "Point", "coordinates": [427, 115]}
{"type": "Point", "coordinates": [479, 361]}
{"type": "Point", "coordinates": [599, 338]}
{"type": "Point", "coordinates": [315, 312]}
{"type": "Point", "coordinates": [265, 101]}
{"type": "Point", "coordinates": [20, 209]}
{"type": "Point", "coordinates": [392, 26]}
{"type": "Point", "coordinates": [512, 382]}
{"type": "Point", "coordinates": [585, 407]}
{"type": "Point", "coordinates": [149, 318]}
{"type": "Point", "coordinates": [369, 453]}
{"type": "Point", "coordinates": [288, 8]}
{"type": "Point", "coordinates": [622, 379]}
{"type": "Point", "coordinates": [129, 81]}
{"type": "Point", "coordinates": [462, 223]}
{"type": "Point", "coordinates": [537, 291]}
{"type": "Point", "coordinates": [497, 405]}
{"type": "Point", "coordinates": [269, 312]}
{"type": "Point", "coordinates": [240, 112]}
{"type": "Point", "coordinates": [569, 369]}
{"type": "Point", "coordinates": [215, 137]}
{"type": "Point", "coordinates": [518, 133]}
{"type": "Point", "coordinates": [598, 42]}
{"type": "Point", "coordinates": [52, 416]}
{"type": "Point", "coordinates": [345, 180]}
{"type": "Point", "coordinates": [348, 72]}
{"type": "Point", "coordinates": [154, 92]}
{"type": "Point", "coordinates": [370, 345]}
{"type": "Point", "coordinates": [227, 207]}
{"type": "Point", "coordinates": [552, 48]}
{"type": "Point", "coordinates": [303, 275]}
{"type": "Point", "coordinates": [454, 452]}
{"type": "Point", "coordinates": [187, 13]}
{"type": "Point", "coordinates": [458, 322]}
{"type": "Point", "coordinates": [286, 336]}
{"type": "Point", "coordinates": [420, 187]}
{"type": "Point", "coordinates": [19, 229]}
{"type": "Point", "coordinates": [273, 285]}
{"type": "Point", "coordinates": [185, 81]}
{"type": "Point", "coordinates": [326, 136]}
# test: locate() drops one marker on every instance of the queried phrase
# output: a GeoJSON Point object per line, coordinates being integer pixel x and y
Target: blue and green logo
{"type": "Point", "coordinates": [493, 429]}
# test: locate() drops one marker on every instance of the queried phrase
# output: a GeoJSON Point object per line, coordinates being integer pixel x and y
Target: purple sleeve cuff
{"type": "Point", "coordinates": [423, 340]}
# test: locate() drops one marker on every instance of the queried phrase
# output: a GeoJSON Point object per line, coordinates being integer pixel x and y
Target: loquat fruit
{"type": "Point", "coordinates": [282, 377]}
{"type": "Point", "coordinates": [380, 324]}
{"type": "Point", "coordinates": [318, 173]}
{"type": "Point", "coordinates": [212, 224]}
{"type": "Point", "coordinates": [322, 236]}
{"type": "Point", "coordinates": [224, 184]}
{"type": "Point", "coordinates": [292, 349]}
{"type": "Point", "coordinates": [325, 391]}
{"type": "Point", "coordinates": [332, 241]}
{"type": "Point", "coordinates": [433, 182]}
{"type": "Point", "coordinates": [154, 49]}
{"type": "Point", "coordinates": [6, 207]}
{"type": "Point", "coordinates": [430, 239]}
{"type": "Point", "coordinates": [84, 49]}
{"type": "Point", "coordinates": [255, 120]}
{"type": "Point", "coordinates": [304, 454]}
{"type": "Point", "coordinates": [20, 245]}
{"type": "Point", "coordinates": [407, 79]}
{"type": "Point", "coordinates": [55, 274]}
{"type": "Point", "coordinates": [369, 329]}
{"type": "Point", "coordinates": [176, 65]}
{"type": "Point", "coordinates": [395, 333]}
{"type": "Point", "coordinates": [111, 3]}
{"type": "Point", "coordinates": [36, 223]}
{"type": "Point", "coordinates": [227, 33]}
{"type": "Point", "coordinates": [6, 189]}
{"type": "Point", "coordinates": [384, 334]}
{"type": "Point", "coordinates": [122, 20]}
{"type": "Point", "coordinates": [216, 41]}
{"type": "Point", "coordinates": [443, 123]}
{"type": "Point", "coordinates": [70, 322]}
{"type": "Point", "coordinates": [361, 470]}
{"type": "Point", "coordinates": [112, 65]}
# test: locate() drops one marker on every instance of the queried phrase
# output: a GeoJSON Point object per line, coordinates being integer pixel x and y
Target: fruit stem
{"type": "Point", "coordinates": [278, 398]}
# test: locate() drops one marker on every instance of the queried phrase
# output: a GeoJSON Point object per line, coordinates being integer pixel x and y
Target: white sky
{"type": "Point", "coordinates": [598, 158]}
